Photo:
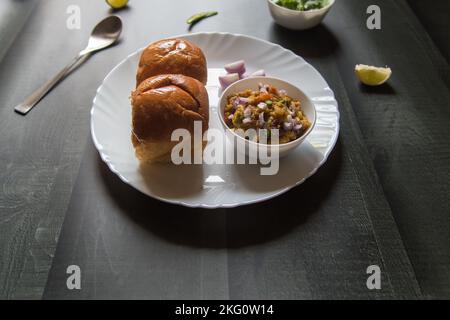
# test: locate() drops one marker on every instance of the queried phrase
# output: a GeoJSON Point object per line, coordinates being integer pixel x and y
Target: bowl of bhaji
{"type": "Point", "coordinates": [266, 112]}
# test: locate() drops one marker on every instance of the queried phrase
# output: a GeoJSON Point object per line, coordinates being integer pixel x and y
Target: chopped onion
{"type": "Point", "coordinates": [262, 105]}
{"type": "Point", "coordinates": [247, 112]}
{"type": "Point", "coordinates": [230, 117]}
{"type": "Point", "coordinates": [228, 79]}
{"type": "Point", "coordinates": [282, 92]}
{"type": "Point", "coordinates": [261, 118]}
{"type": "Point", "coordinates": [236, 67]}
{"type": "Point", "coordinates": [246, 120]}
{"type": "Point", "coordinates": [263, 88]}
{"type": "Point", "coordinates": [259, 73]}
{"type": "Point", "coordinates": [240, 101]}
{"type": "Point", "coordinates": [243, 100]}
{"type": "Point", "coordinates": [287, 126]}
{"type": "Point", "coordinates": [298, 127]}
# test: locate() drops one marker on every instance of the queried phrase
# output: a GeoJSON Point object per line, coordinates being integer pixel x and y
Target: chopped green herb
{"type": "Point", "coordinates": [290, 4]}
{"type": "Point", "coordinates": [302, 5]}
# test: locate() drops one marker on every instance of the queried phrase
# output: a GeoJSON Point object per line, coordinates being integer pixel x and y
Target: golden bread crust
{"type": "Point", "coordinates": [162, 104]}
{"type": "Point", "coordinates": [172, 56]}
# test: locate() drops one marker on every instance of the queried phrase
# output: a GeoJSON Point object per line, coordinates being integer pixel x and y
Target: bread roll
{"type": "Point", "coordinates": [172, 56]}
{"type": "Point", "coordinates": [160, 105]}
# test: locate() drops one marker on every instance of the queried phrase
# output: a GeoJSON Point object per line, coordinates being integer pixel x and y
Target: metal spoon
{"type": "Point", "coordinates": [105, 33]}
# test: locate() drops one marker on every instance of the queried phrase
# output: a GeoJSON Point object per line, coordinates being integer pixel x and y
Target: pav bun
{"type": "Point", "coordinates": [172, 56]}
{"type": "Point", "coordinates": [160, 105]}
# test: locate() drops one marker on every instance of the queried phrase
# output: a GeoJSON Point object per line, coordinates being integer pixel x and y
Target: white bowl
{"type": "Point", "coordinates": [298, 20]}
{"type": "Point", "coordinates": [251, 147]}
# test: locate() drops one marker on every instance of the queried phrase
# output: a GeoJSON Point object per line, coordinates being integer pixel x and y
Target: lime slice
{"type": "Point", "coordinates": [372, 76]}
{"type": "Point", "coordinates": [117, 4]}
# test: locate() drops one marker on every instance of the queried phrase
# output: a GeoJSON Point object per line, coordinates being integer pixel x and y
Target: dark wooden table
{"type": "Point", "coordinates": [381, 199]}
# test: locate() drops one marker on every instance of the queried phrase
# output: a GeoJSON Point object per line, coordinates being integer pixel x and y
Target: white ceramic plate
{"type": "Point", "coordinates": [215, 186]}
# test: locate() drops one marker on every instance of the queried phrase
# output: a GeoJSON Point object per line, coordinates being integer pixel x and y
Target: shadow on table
{"type": "Point", "coordinates": [226, 228]}
{"type": "Point", "coordinates": [313, 43]}
{"type": "Point", "coordinates": [384, 89]}
{"type": "Point", "coordinates": [119, 10]}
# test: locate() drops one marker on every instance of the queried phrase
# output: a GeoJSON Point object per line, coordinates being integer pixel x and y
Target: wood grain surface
{"type": "Point", "coordinates": [380, 199]}
{"type": "Point", "coordinates": [434, 16]}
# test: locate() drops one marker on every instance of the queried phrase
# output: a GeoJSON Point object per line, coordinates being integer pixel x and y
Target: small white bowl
{"type": "Point", "coordinates": [298, 20]}
{"type": "Point", "coordinates": [252, 147]}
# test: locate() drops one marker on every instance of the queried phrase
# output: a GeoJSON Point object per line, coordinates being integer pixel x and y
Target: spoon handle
{"type": "Point", "coordinates": [37, 95]}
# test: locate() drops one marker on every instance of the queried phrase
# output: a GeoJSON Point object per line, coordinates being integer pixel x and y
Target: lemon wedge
{"type": "Point", "coordinates": [372, 76]}
{"type": "Point", "coordinates": [117, 4]}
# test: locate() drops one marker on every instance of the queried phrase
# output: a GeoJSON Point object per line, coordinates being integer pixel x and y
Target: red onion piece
{"type": "Point", "coordinates": [262, 105]}
{"type": "Point", "coordinates": [243, 100]}
{"type": "Point", "coordinates": [236, 67]}
{"type": "Point", "coordinates": [259, 73]}
{"type": "Point", "coordinates": [261, 118]}
{"type": "Point", "coordinates": [263, 88]}
{"type": "Point", "coordinates": [228, 79]}
{"type": "Point", "coordinates": [287, 126]}
{"type": "Point", "coordinates": [246, 120]}
{"type": "Point", "coordinates": [240, 101]}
